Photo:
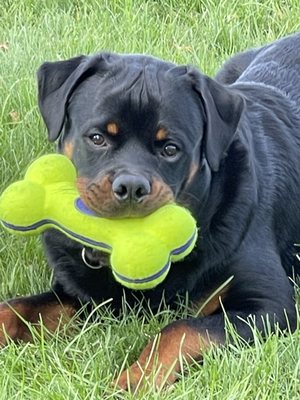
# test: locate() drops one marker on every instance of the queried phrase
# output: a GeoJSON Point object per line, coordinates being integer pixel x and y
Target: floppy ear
{"type": "Point", "coordinates": [56, 82]}
{"type": "Point", "coordinates": [223, 107]}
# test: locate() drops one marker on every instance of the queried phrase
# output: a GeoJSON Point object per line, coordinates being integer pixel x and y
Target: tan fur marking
{"type": "Point", "coordinates": [98, 196]}
{"type": "Point", "coordinates": [161, 357]}
{"type": "Point", "coordinates": [207, 306]}
{"type": "Point", "coordinates": [68, 149]}
{"type": "Point", "coordinates": [14, 314]}
{"type": "Point", "coordinates": [112, 128]}
{"type": "Point", "coordinates": [161, 134]}
{"type": "Point", "coordinates": [193, 171]}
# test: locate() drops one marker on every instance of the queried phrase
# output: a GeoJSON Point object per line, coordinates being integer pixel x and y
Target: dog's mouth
{"type": "Point", "coordinates": [100, 198]}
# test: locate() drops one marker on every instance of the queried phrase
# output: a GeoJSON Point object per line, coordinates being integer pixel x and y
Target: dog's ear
{"type": "Point", "coordinates": [223, 107]}
{"type": "Point", "coordinates": [56, 80]}
{"type": "Point", "coordinates": [56, 83]}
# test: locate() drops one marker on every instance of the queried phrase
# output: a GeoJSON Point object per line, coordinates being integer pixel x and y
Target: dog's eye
{"type": "Point", "coordinates": [170, 150]}
{"type": "Point", "coordinates": [97, 139]}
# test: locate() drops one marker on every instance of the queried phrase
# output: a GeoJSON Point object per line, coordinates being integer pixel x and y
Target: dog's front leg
{"type": "Point", "coordinates": [249, 305]}
{"type": "Point", "coordinates": [16, 315]}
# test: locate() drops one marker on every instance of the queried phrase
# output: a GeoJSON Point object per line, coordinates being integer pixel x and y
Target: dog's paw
{"type": "Point", "coordinates": [138, 377]}
{"type": "Point", "coordinates": [163, 358]}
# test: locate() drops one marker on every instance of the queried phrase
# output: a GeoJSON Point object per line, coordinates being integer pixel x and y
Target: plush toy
{"type": "Point", "coordinates": [141, 249]}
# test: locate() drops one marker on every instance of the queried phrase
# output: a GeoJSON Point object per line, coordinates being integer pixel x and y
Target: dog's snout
{"type": "Point", "coordinates": [131, 188]}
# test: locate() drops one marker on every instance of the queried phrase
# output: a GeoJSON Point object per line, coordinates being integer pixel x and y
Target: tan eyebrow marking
{"type": "Point", "coordinates": [161, 134]}
{"type": "Point", "coordinates": [112, 128]}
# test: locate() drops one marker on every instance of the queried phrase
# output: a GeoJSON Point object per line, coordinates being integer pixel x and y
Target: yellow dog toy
{"type": "Point", "coordinates": [141, 249]}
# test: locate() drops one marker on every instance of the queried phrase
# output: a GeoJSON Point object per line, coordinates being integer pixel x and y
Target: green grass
{"type": "Point", "coordinates": [82, 364]}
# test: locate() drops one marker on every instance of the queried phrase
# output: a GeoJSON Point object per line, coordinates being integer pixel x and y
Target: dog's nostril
{"type": "Point", "coordinates": [131, 188]}
{"type": "Point", "coordinates": [121, 192]}
{"type": "Point", "coordinates": [141, 192]}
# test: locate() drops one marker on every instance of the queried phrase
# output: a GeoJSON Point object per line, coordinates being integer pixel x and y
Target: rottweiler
{"type": "Point", "coordinates": [143, 132]}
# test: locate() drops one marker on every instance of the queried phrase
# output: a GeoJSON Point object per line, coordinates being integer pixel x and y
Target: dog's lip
{"type": "Point", "coordinates": [125, 212]}
{"type": "Point", "coordinates": [121, 212]}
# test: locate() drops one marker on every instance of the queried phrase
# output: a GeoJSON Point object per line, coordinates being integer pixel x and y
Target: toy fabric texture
{"type": "Point", "coordinates": [141, 249]}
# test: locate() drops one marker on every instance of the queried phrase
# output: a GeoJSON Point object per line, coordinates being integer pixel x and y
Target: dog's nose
{"type": "Point", "coordinates": [134, 188]}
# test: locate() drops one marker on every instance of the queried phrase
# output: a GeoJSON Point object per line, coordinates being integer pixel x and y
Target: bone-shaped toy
{"type": "Point", "coordinates": [141, 249]}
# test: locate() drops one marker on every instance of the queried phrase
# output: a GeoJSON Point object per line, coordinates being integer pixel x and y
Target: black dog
{"type": "Point", "coordinates": [143, 132]}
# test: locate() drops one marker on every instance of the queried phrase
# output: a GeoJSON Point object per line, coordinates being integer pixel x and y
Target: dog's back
{"type": "Point", "coordinates": [235, 66]}
{"type": "Point", "coordinates": [270, 78]}
{"type": "Point", "coordinates": [278, 66]}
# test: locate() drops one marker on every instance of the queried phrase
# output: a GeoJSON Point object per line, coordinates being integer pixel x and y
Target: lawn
{"type": "Point", "coordinates": [81, 362]}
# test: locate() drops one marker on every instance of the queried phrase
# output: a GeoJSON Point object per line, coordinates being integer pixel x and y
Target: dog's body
{"type": "Point", "coordinates": [143, 132]}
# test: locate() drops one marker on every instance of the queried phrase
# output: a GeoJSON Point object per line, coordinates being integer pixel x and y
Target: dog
{"type": "Point", "coordinates": [143, 132]}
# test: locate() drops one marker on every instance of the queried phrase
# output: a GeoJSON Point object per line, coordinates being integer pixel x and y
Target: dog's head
{"type": "Point", "coordinates": [139, 130]}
